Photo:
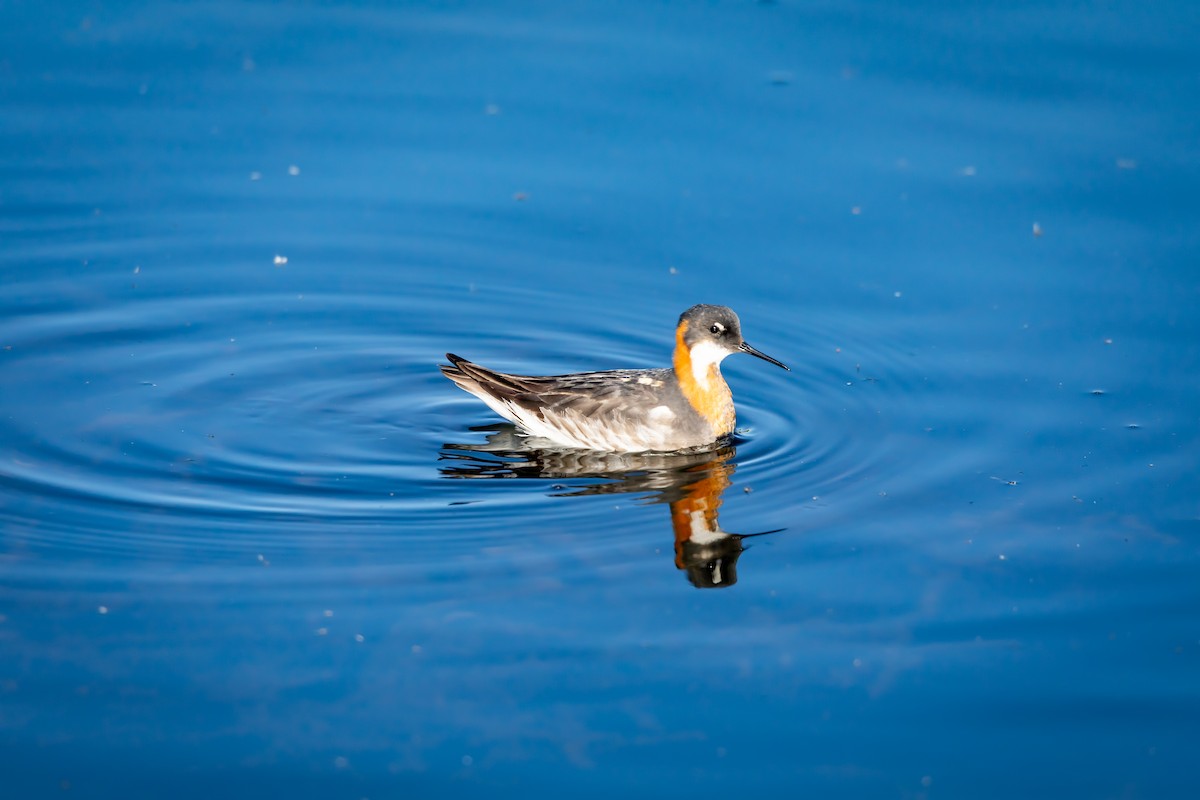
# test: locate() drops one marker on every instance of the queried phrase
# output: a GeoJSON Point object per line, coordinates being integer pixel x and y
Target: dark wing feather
{"type": "Point", "coordinates": [587, 394]}
{"type": "Point", "coordinates": [498, 383]}
{"type": "Point", "coordinates": [599, 394]}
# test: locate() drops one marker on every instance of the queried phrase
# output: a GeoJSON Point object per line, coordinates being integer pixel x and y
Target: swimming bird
{"type": "Point", "coordinates": [687, 405]}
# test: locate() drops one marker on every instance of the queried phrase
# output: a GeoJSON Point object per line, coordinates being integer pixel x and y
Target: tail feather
{"type": "Point", "coordinates": [480, 380]}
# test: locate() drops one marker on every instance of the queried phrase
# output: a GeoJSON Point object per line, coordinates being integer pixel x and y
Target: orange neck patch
{"type": "Point", "coordinates": [713, 401]}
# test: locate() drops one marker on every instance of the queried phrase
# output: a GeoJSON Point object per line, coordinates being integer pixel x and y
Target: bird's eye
{"type": "Point", "coordinates": [717, 328]}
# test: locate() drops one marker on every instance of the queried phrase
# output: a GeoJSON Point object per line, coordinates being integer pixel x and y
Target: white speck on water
{"type": "Point", "coordinates": [967, 171]}
{"type": "Point", "coordinates": [102, 610]}
{"type": "Point", "coordinates": [857, 663]}
{"type": "Point", "coordinates": [672, 270]}
{"type": "Point", "coordinates": [341, 762]}
{"type": "Point", "coordinates": [1037, 229]}
{"type": "Point", "coordinates": [467, 761]}
{"type": "Point", "coordinates": [321, 631]}
{"type": "Point", "coordinates": [280, 260]}
{"type": "Point", "coordinates": [256, 176]}
{"type": "Point", "coordinates": [492, 110]}
{"type": "Point", "coordinates": [1126, 163]}
{"type": "Point", "coordinates": [416, 648]}
{"type": "Point", "coordinates": [1003, 557]}
{"type": "Point", "coordinates": [328, 612]}
{"type": "Point", "coordinates": [897, 294]}
{"type": "Point", "coordinates": [358, 637]}
{"type": "Point", "coordinates": [293, 170]}
{"type": "Point", "coordinates": [856, 210]}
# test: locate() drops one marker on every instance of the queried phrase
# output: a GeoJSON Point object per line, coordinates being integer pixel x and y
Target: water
{"type": "Point", "coordinates": [251, 541]}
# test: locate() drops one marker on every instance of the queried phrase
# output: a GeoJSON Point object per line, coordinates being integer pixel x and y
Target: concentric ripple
{"type": "Point", "coordinates": [218, 427]}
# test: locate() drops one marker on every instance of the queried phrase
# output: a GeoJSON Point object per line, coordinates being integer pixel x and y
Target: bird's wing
{"type": "Point", "coordinates": [588, 394]}
{"type": "Point", "coordinates": [587, 409]}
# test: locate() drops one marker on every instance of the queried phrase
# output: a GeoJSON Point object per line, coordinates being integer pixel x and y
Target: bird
{"type": "Point", "coordinates": [682, 407]}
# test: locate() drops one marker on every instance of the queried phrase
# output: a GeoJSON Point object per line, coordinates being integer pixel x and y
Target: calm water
{"type": "Point", "coordinates": [252, 543]}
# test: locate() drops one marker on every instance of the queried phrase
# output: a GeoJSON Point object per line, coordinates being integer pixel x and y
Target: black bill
{"type": "Point", "coordinates": [745, 348]}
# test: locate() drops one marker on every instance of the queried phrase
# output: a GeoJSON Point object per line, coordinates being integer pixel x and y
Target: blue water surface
{"type": "Point", "coordinates": [253, 543]}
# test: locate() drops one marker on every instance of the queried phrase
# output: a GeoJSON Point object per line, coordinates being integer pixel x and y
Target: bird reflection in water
{"type": "Point", "coordinates": [692, 483]}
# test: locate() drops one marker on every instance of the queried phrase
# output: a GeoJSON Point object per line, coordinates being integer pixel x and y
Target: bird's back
{"type": "Point", "coordinates": [627, 410]}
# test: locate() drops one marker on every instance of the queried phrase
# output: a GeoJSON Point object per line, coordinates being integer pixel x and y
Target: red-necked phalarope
{"type": "Point", "coordinates": [625, 410]}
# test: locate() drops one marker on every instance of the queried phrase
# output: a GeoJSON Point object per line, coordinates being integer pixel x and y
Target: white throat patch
{"type": "Point", "coordinates": [705, 355]}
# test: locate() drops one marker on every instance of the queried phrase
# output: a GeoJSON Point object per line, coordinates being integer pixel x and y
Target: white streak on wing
{"type": "Point", "coordinates": [705, 355]}
{"type": "Point", "coordinates": [569, 429]}
{"type": "Point", "coordinates": [528, 420]}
